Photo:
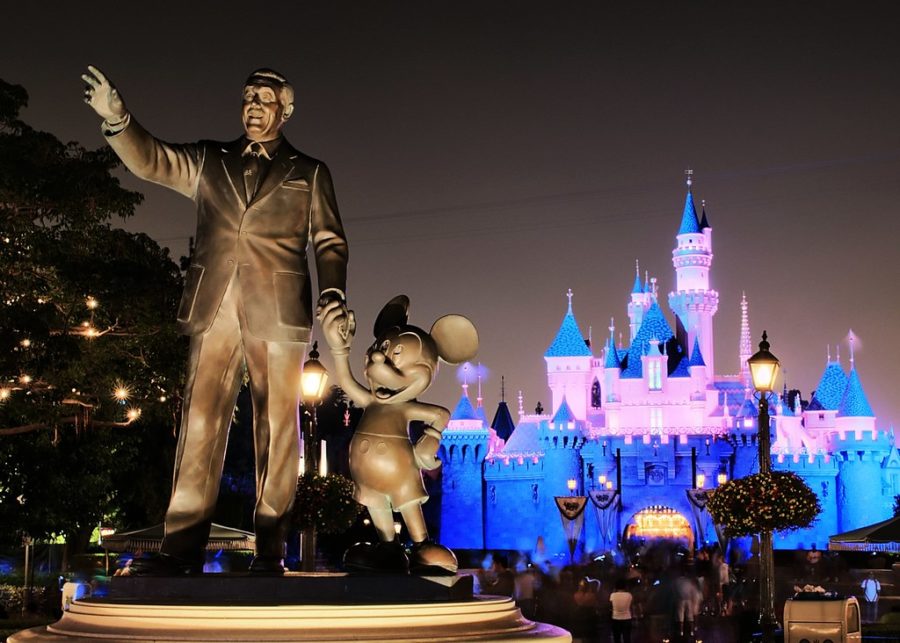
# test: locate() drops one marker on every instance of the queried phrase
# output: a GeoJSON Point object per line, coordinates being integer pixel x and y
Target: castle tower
{"type": "Point", "coordinates": [863, 451]}
{"type": "Point", "coordinates": [693, 300]}
{"type": "Point", "coordinates": [568, 361]}
{"type": "Point", "coordinates": [464, 445]}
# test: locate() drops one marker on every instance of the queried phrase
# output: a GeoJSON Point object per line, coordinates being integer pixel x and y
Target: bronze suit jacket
{"type": "Point", "coordinates": [264, 242]}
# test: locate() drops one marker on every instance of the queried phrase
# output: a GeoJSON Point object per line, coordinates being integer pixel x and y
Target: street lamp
{"type": "Point", "coordinates": [764, 369]}
{"type": "Point", "coordinates": [313, 379]}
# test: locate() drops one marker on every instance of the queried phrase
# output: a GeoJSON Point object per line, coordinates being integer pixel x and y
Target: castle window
{"type": "Point", "coordinates": [654, 375]}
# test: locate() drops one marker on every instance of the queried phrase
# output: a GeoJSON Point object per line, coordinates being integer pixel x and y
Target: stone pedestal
{"type": "Point", "coordinates": [296, 607]}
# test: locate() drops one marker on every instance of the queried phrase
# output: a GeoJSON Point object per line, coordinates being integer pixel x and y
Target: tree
{"type": "Point", "coordinates": [90, 361]}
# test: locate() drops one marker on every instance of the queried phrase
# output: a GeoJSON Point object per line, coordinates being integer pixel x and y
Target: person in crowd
{"type": "Point", "coordinates": [621, 601]}
{"type": "Point", "coordinates": [871, 591]}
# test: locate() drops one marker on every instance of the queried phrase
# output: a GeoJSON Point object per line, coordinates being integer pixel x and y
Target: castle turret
{"type": "Point", "coordinates": [693, 300]}
{"type": "Point", "coordinates": [641, 298]}
{"type": "Point", "coordinates": [697, 367]}
{"type": "Point", "coordinates": [569, 366]}
{"type": "Point", "coordinates": [464, 445]}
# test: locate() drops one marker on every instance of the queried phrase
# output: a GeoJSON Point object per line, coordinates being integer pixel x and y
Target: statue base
{"type": "Point", "coordinates": [296, 607]}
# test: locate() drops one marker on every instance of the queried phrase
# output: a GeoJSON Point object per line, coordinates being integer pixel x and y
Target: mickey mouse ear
{"type": "Point", "coordinates": [456, 338]}
{"type": "Point", "coordinates": [394, 313]}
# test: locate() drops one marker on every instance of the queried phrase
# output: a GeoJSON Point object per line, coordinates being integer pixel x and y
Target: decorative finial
{"type": "Point", "coordinates": [478, 371]}
{"type": "Point", "coordinates": [503, 388]}
{"type": "Point", "coordinates": [637, 268]}
{"type": "Point", "coordinates": [828, 354]}
{"type": "Point", "coordinates": [521, 403]}
{"type": "Point", "coordinates": [703, 203]}
{"type": "Point", "coordinates": [851, 338]}
{"type": "Point", "coordinates": [569, 295]}
{"type": "Point", "coordinates": [612, 327]}
{"type": "Point", "coordinates": [689, 173]}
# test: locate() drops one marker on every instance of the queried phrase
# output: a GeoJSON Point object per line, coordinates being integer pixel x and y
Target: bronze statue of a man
{"type": "Point", "coordinates": [247, 301]}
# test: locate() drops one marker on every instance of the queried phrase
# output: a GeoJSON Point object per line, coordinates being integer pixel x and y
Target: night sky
{"type": "Point", "coordinates": [486, 159]}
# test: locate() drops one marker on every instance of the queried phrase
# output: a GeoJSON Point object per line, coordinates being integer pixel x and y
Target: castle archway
{"type": "Point", "coordinates": [659, 522]}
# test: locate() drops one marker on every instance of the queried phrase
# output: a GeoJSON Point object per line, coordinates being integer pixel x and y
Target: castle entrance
{"type": "Point", "coordinates": [661, 523]}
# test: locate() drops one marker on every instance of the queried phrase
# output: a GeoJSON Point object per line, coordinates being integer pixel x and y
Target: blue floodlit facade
{"type": "Point", "coordinates": [637, 428]}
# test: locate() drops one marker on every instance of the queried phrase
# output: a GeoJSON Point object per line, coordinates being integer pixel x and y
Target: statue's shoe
{"type": "Point", "coordinates": [162, 565]}
{"type": "Point", "coordinates": [431, 559]}
{"type": "Point", "coordinates": [272, 565]}
{"type": "Point", "coordinates": [381, 558]}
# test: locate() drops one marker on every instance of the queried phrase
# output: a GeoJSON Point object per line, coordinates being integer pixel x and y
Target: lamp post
{"type": "Point", "coordinates": [313, 379]}
{"type": "Point", "coordinates": [764, 369]}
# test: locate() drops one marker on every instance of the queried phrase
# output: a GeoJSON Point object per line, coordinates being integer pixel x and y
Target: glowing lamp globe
{"type": "Point", "coordinates": [722, 478]}
{"type": "Point", "coordinates": [571, 483]}
{"type": "Point", "coordinates": [701, 480]}
{"type": "Point", "coordinates": [763, 367]}
{"type": "Point", "coordinates": [313, 377]}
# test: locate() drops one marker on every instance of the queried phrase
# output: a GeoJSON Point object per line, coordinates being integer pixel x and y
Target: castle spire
{"type": "Point", "coordinates": [636, 289]}
{"type": "Point", "coordinates": [503, 388]}
{"type": "Point", "coordinates": [745, 349]}
{"type": "Point", "coordinates": [704, 222]}
{"type": "Point", "coordinates": [479, 398]}
{"type": "Point", "coordinates": [689, 223]}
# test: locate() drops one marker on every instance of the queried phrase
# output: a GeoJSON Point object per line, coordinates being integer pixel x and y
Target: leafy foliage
{"type": "Point", "coordinates": [84, 308]}
{"type": "Point", "coordinates": [326, 503]}
{"type": "Point", "coordinates": [776, 501]}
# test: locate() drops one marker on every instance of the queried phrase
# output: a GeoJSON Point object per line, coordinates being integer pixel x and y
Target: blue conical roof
{"type": "Point", "coordinates": [564, 413]}
{"type": "Point", "coordinates": [654, 326]}
{"type": "Point", "coordinates": [854, 402]}
{"type": "Point", "coordinates": [464, 410]}
{"type": "Point", "coordinates": [696, 355]}
{"type": "Point", "coordinates": [831, 387]}
{"type": "Point", "coordinates": [503, 422]}
{"type": "Point", "coordinates": [612, 355]}
{"type": "Point", "coordinates": [689, 223]}
{"type": "Point", "coordinates": [682, 370]}
{"type": "Point", "coordinates": [637, 288]}
{"type": "Point", "coordinates": [569, 341]}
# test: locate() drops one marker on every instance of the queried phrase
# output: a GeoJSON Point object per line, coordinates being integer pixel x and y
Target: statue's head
{"type": "Point", "coordinates": [268, 102]}
{"type": "Point", "coordinates": [402, 362]}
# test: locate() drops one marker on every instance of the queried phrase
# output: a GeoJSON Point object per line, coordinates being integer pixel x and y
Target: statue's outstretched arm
{"type": "Point", "coordinates": [174, 166]}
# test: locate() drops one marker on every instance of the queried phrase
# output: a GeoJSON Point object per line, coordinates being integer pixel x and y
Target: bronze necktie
{"type": "Point", "coordinates": [252, 167]}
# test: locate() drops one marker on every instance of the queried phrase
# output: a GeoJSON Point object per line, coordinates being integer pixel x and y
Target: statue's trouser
{"type": "Point", "coordinates": [215, 368]}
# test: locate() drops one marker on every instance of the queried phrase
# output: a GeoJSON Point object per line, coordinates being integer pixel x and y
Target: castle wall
{"type": "Point", "coordinates": [462, 511]}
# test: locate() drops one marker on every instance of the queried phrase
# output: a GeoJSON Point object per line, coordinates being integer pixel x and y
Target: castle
{"type": "Point", "coordinates": [636, 433]}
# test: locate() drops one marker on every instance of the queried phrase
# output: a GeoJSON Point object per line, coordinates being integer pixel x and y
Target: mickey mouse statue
{"type": "Point", "coordinates": [385, 465]}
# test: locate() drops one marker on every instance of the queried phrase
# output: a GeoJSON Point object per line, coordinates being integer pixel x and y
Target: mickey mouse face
{"type": "Point", "coordinates": [396, 369]}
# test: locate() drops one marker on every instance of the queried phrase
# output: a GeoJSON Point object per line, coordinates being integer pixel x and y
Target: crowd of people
{"type": "Point", "coordinates": [660, 592]}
